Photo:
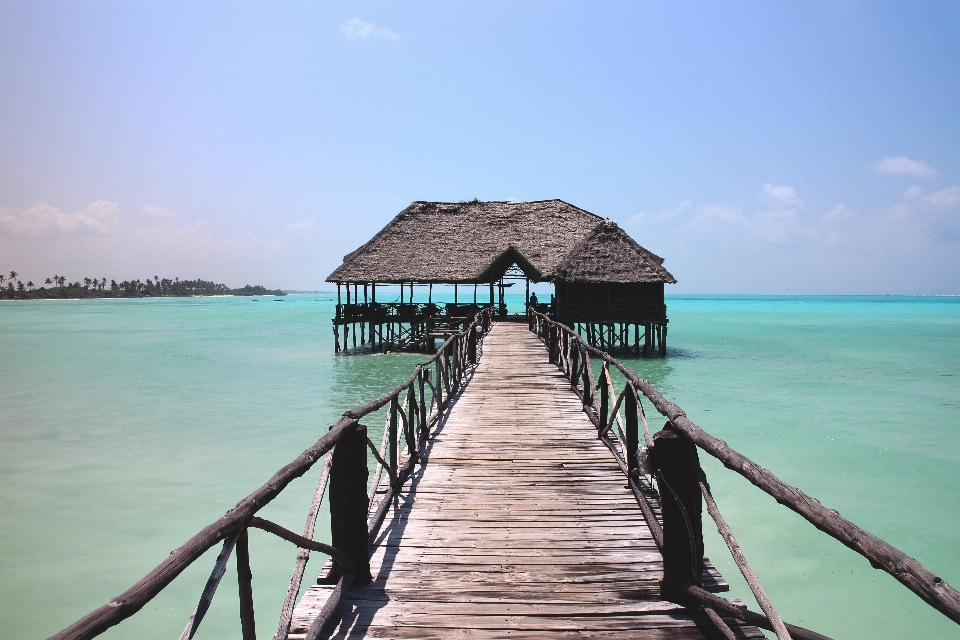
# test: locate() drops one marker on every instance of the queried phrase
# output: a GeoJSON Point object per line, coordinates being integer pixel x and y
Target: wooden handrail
{"type": "Point", "coordinates": [881, 555]}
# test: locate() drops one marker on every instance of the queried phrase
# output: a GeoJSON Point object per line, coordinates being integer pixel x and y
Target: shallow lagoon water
{"type": "Point", "coordinates": [128, 425]}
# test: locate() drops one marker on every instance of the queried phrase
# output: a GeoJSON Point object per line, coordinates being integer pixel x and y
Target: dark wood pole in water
{"type": "Point", "coordinates": [454, 293]}
{"type": "Point", "coordinates": [491, 294]}
{"type": "Point", "coordinates": [474, 293]}
{"type": "Point", "coordinates": [373, 292]}
{"type": "Point", "coordinates": [678, 470]}
{"type": "Point", "coordinates": [248, 625]}
{"type": "Point", "coordinates": [349, 505]}
{"type": "Point", "coordinates": [430, 294]}
{"type": "Point", "coordinates": [338, 295]}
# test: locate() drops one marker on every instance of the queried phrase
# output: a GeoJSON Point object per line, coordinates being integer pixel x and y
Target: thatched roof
{"type": "Point", "coordinates": [608, 254]}
{"type": "Point", "coordinates": [467, 242]}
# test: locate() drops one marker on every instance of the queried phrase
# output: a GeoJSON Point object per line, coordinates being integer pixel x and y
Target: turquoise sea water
{"type": "Point", "coordinates": [128, 425]}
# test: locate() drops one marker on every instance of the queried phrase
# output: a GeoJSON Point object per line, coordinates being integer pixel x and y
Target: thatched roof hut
{"type": "Point", "coordinates": [476, 242]}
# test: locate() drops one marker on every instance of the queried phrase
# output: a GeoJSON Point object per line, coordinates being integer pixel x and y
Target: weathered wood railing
{"type": "Point", "coordinates": [671, 457]}
{"type": "Point", "coordinates": [409, 415]}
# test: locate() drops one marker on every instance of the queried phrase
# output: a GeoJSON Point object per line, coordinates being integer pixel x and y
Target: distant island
{"type": "Point", "coordinates": [156, 287]}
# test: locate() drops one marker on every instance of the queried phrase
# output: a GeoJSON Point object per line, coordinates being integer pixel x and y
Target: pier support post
{"type": "Point", "coordinates": [678, 478]}
{"type": "Point", "coordinates": [349, 506]}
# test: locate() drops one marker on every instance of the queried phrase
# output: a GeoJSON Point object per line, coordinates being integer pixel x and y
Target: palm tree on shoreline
{"type": "Point", "coordinates": [13, 276]}
{"type": "Point", "coordinates": [30, 285]}
{"type": "Point", "coordinates": [48, 281]}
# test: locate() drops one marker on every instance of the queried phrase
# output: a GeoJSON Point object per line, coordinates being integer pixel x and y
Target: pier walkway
{"type": "Point", "coordinates": [516, 523]}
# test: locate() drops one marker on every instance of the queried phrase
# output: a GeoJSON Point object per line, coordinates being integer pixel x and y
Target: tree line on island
{"type": "Point", "coordinates": [57, 286]}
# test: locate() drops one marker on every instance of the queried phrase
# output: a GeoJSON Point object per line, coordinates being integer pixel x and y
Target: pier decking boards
{"type": "Point", "coordinates": [516, 524]}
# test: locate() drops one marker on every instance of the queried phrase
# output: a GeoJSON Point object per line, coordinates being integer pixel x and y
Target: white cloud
{"type": "Point", "coordinates": [934, 214]}
{"type": "Point", "coordinates": [728, 225]}
{"type": "Point", "coordinates": [638, 220]}
{"type": "Point", "coordinates": [298, 228]}
{"type": "Point", "coordinates": [943, 199]}
{"type": "Point", "coordinates": [713, 213]}
{"type": "Point", "coordinates": [44, 219]}
{"type": "Point", "coordinates": [839, 212]}
{"type": "Point", "coordinates": [156, 211]}
{"type": "Point", "coordinates": [782, 195]}
{"type": "Point", "coordinates": [904, 166]}
{"type": "Point", "coordinates": [355, 29]}
{"type": "Point", "coordinates": [193, 240]}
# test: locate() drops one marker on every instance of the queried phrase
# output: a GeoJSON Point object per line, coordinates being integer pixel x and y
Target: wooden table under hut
{"type": "Point", "coordinates": [607, 286]}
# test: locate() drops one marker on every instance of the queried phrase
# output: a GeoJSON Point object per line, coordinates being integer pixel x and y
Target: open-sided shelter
{"type": "Point", "coordinates": [605, 283]}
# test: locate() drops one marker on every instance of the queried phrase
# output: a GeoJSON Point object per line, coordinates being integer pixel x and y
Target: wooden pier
{"type": "Point", "coordinates": [511, 499]}
{"type": "Point", "coordinates": [516, 523]}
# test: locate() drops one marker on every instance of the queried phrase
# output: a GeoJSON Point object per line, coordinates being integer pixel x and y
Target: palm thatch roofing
{"type": "Point", "coordinates": [471, 242]}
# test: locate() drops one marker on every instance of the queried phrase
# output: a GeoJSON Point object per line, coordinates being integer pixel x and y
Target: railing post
{"type": "Point", "coordinates": [438, 382]}
{"type": "Point", "coordinates": [248, 627]}
{"type": "Point", "coordinates": [392, 436]}
{"type": "Point", "coordinates": [574, 361]}
{"type": "Point", "coordinates": [349, 505]}
{"type": "Point", "coordinates": [604, 397]}
{"type": "Point", "coordinates": [678, 469]}
{"type": "Point", "coordinates": [587, 388]}
{"type": "Point", "coordinates": [412, 412]}
{"type": "Point", "coordinates": [564, 351]}
{"type": "Point", "coordinates": [632, 428]}
{"type": "Point", "coordinates": [473, 344]}
{"type": "Point", "coordinates": [452, 362]}
{"type": "Point", "coordinates": [423, 401]}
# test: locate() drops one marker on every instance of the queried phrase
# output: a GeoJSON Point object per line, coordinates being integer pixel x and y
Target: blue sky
{"type": "Point", "coordinates": [760, 147]}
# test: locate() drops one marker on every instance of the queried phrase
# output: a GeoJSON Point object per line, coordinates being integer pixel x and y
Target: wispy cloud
{"type": "Point", "coordinates": [904, 166]}
{"type": "Point", "coordinates": [299, 227]}
{"type": "Point", "coordinates": [156, 211]}
{"type": "Point", "coordinates": [638, 220]}
{"type": "Point", "coordinates": [918, 204]}
{"type": "Point", "coordinates": [44, 219]}
{"type": "Point", "coordinates": [357, 29]}
{"type": "Point", "coordinates": [839, 212]}
{"type": "Point", "coordinates": [782, 195]}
